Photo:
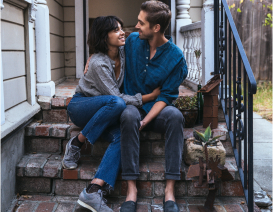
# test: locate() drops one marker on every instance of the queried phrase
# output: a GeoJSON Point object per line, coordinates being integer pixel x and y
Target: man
{"type": "Point", "coordinates": [152, 61]}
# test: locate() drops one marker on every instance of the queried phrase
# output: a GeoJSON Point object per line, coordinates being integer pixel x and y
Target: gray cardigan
{"type": "Point", "coordinates": [100, 79]}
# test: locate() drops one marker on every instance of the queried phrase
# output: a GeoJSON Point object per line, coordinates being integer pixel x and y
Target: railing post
{"type": "Point", "coordinates": [45, 86]}
{"type": "Point", "coordinates": [182, 19]}
{"type": "Point", "coordinates": [207, 41]}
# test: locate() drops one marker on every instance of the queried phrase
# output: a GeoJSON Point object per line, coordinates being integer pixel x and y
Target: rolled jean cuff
{"type": "Point", "coordinates": [169, 176]}
{"type": "Point", "coordinates": [129, 176]}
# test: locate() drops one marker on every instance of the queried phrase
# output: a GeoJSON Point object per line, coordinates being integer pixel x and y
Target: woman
{"type": "Point", "coordinates": [97, 106]}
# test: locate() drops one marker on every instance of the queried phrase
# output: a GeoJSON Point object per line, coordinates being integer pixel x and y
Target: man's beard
{"type": "Point", "coordinates": [146, 37]}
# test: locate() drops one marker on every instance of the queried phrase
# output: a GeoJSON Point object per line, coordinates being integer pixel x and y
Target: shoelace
{"type": "Point", "coordinates": [102, 199]}
{"type": "Point", "coordinates": [75, 153]}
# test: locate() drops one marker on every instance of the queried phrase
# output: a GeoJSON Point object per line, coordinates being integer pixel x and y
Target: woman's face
{"type": "Point", "coordinates": [116, 37]}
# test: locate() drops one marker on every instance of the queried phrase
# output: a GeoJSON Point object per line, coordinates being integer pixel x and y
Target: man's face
{"type": "Point", "coordinates": [143, 26]}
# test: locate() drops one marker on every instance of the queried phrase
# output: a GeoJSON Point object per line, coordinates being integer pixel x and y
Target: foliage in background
{"type": "Point", "coordinates": [186, 102]}
{"type": "Point", "coordinates": [268, 17]}
{"type": "Point", "coordinates": [262, 100]}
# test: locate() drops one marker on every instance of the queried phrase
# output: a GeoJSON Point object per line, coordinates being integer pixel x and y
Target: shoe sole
{"type": "Point", "coordinates": [65, 167]}
{"type": "Point", "coordinates": [86, 206]}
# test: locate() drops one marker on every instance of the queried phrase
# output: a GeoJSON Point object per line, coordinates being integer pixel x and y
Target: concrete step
{"type": "Point", "coordinates": [43, 173]}
{"type": "Point", "coordinates": [58, 203]}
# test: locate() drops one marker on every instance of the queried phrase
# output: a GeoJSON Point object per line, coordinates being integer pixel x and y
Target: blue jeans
{"type": "Point", "coordinates": [99, 115]}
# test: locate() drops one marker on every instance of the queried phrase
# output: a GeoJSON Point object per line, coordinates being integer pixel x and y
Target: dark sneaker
{"type": "Point", "coordinates": [71, 156]}
{"type": "Point", "coordinates": [129, 206]}
{"type": "Point", "coordinates": [170, 206]}
{"type": "Point", "coordinates": [94, 201]}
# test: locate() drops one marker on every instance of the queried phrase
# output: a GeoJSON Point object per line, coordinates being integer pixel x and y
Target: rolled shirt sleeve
{"type": "Point", "coordinates": [169, 90]}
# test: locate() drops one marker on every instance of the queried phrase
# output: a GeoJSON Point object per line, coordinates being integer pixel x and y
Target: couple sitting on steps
{"type": "Point", "coordinates": [128, 87]}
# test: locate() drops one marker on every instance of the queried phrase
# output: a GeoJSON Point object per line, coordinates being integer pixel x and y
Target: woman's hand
{"type": "Point", "coordinates": [151, 96]}
{"type": "Point", "coordinates": [156, 93]}
{"type": "Point", "coordinates": [86, 66]}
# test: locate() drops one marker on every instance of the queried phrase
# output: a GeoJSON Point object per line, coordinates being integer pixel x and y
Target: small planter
{"type": "Point", "coordinates": [190, 116]}
{"type": "Point", "coordinates": [188, 107]}
{"type": "Point", "coordinates": [193, 151]}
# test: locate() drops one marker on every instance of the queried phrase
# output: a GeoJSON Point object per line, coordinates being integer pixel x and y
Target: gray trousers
{"type": "Point", "coordinates": [169, 121]}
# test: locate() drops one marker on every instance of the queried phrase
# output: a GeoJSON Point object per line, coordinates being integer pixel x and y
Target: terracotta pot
{"type": "Point", "coordinates": [190, 117]}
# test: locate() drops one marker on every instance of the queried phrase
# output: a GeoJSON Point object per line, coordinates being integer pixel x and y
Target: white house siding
{"type": "Point", "coordinates": [13, 55]}
{"type": "Point", "coordinates": [56, 24]}
{"type": "Point", "coordinates": [69, 38]}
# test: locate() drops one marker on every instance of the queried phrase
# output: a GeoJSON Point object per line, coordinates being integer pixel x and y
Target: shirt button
{"type": "Point", "coordinates": [147, 58]}
{"type": "Point", "coordinates": [144, 70]}
{"type": "Point", "coordinates": [146, 64]}
{"type": "Point", "coordinates": [147, 50]}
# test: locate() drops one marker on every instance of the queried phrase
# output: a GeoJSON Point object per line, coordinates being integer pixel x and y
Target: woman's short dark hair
{"type": "Point", "coordinates": [158, 13]}
{"type": "Point", "coordinates": [98, 33]}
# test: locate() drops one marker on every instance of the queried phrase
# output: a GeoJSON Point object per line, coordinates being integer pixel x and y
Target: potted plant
{"type": "Point", "coordinates": [188, 106]}
{"type": "Point", "coordinates": [202, 145]}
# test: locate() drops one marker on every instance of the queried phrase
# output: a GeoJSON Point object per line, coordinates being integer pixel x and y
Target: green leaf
{"type": "Point", "coordinates": [269, 15]}
{"type": "Point", "coordinates": [263, 5]}
{"type": "Point", "coordinates": [271, 25]}
{"type": "Point", "coordinates": [239, 10]}
{"type": "Point", "coordinates": [207, 133]}
{"type": "Point", "coordinates": [216, 137]}
{"type": "Point", "coordinates": [201, 135]}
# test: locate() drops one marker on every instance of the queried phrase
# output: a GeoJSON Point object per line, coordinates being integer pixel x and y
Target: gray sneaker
{"type": "Point", "coordinates": [71, 156]}
{"type": "Point", "coordinates": [94, 201]}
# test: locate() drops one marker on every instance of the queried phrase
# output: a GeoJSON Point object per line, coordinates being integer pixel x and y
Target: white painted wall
{"type": "Point", "coordinates": [124, 9]}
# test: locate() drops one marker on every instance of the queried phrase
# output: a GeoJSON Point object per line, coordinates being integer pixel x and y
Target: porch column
{"type": "Point", "coordinates": [45, 87]}
{"type": "Point", "coordinates": [1, 79]}
{"type": "Point", "coordinates": [30, 18]}
{"type": "Point", "coordinates": [183, 18]}
{"type": "Point", "coordinates": [207, 31]}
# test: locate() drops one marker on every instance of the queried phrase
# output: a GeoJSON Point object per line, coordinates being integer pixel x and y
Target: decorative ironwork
{"type": "Point", "coordinates": [229, 60]}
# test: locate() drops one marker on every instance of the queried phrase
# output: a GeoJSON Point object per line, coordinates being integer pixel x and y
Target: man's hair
{"type": "Point", "coordinates": [98, 33]}
{"type": "Point", "coordinates": [157, 13]}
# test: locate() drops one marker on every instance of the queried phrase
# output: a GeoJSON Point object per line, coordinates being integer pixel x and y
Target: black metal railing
{"type": "Point", "coordinates": [229, 60]}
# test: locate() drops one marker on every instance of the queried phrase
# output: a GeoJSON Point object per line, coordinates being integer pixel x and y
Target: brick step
{"type": "Point", "coordinates": [52, 138]}
{"type": "Point", "coordinates": [43, 173]}
{"type": "Point", "coordinates": [58, 203]}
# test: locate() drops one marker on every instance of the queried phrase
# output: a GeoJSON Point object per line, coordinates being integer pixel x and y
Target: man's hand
{"type": "Point", "coordinates": [87, 64]}
{"type": "Point", "coordinates": [142, 125]}
{"type": "Point", "coordinates": [156, 109]}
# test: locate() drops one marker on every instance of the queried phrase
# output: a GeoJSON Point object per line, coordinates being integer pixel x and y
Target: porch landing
{"type": "Point", "coordinates": [67, 89]}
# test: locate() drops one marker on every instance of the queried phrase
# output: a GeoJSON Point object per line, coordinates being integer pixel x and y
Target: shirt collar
{"type": "Point", "coordinates": [164, 46]}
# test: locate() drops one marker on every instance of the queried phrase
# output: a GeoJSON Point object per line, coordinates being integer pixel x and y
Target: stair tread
{"type": "Point", "coordinates": [68, 203]}
{"type": "Point", "coordinates": [49, 165]}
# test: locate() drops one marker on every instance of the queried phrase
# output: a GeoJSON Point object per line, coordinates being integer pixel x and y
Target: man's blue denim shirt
{"type": "Point", "coordinates": [166, 69]}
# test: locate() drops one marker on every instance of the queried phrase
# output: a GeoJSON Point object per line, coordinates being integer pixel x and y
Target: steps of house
{"type": "Point", "coordinates": [40, 170]}
{"type": "Point", "coordinates": [43, 173]}
{"type": "Point", "coordinates": [59, 203]}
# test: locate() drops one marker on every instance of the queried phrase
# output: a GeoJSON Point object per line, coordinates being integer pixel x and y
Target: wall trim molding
{"type": "Point", "coordinates": [79, 36]}
{"type": "Point", "coordinates": [1, 5]}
